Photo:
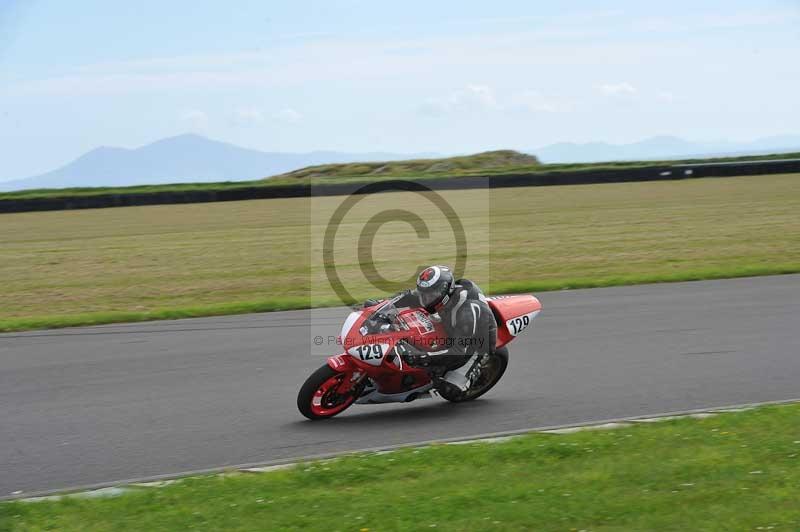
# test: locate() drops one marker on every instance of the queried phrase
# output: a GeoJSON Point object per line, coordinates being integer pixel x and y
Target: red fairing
{"type": "Point", "coordinates": [341, 363]}
{"type": "Point", "coordinates": [513, 314]}
{"type": "Point", "coordinates": [372, 352]}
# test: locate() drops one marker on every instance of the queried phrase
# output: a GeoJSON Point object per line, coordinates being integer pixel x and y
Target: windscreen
{"type": "Point", "coordinates": [383, 319]}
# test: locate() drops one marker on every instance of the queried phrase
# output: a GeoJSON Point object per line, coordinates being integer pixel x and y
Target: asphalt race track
{"type": "Point", "coordinates": [99, 404]}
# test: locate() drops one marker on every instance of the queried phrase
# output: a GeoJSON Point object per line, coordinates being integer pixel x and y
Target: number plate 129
{"type": "Point", "coordinates": [369, 353]}
{"type": "Point", "coordinates": [520, 323]}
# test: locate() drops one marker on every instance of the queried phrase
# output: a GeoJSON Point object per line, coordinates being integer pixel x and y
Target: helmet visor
{"type": "Point", "coordinates": [428, 298]}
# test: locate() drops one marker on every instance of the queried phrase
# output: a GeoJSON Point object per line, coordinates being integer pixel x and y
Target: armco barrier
{"type": "Point", "coordinates": [578, 177]}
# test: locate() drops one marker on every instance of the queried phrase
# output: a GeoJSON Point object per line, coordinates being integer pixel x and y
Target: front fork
{"type": "Point", "coordinates": [353, 381]}
{"type": "Point", "coordinates": [354, 378]}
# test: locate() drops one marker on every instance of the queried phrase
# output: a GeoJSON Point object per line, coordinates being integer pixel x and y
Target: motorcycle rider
{"type": "Point", "coordinates": [463, 311]}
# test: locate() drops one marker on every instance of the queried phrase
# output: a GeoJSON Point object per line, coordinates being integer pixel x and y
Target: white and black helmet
{"type": "Point", "coordinates": [434, 286]}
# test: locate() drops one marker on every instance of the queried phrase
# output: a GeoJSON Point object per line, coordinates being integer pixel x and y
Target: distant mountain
{"type": "Point", "coordinates": [196, 159]}
{"type": "Point", "coordinates": [184, 159]}
{"type": "Point", "coordinates": [663, 147]}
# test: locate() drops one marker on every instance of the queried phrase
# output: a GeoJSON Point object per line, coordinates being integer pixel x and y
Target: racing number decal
{"type": "Point", "coordinates": [520, 323]}
{"type": "Point", "coordinates": [369, 352]}
{"type": "Point", "coordinates": [517, 324]}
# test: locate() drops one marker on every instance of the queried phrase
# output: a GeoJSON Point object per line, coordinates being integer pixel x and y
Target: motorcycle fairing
{"type": "Point", "coordinates": [513, 315]}
{"type": "Point", "coordinates": [370, 342]}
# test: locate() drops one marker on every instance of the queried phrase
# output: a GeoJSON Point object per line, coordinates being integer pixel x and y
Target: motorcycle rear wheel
{"type": "Point", "coordinates": [317, 398]}
{"type": "Point", "coordinates": [490, 375]}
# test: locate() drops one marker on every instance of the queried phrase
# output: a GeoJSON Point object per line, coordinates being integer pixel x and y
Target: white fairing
{"type": "Point", "coordinates": [348, 324]}
{"type": "Point", "coordinates": [519, 323]}
{"type": "Point", "coordinates": [376, 397]}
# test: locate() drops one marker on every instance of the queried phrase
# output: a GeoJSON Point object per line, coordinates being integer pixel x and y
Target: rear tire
{"type": "Point", "coordinates": [316, 399]}
{"type": "Point", "coordinates": [497, 364]}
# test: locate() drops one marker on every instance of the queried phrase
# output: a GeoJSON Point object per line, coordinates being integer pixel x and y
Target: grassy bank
{"type": "Point", "coordinates": [733, 472]}
{"type": "Point", "coordinates": [100, 266]}
{"type": "Point", "coordinates": [492, 162]}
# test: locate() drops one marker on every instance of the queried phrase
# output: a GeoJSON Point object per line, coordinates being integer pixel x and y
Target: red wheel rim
{"type": "Point", "coordinates": [326, 401]}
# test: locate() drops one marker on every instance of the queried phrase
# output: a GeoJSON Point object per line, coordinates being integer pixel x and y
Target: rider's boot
{"type": "Point", "coordinates": [462, 376]}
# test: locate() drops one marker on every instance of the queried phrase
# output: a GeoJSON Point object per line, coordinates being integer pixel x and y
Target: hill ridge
{"type": "Point", "coordinates": [482, 161]}
{"type": "Point", "coordinates": [187, 158]}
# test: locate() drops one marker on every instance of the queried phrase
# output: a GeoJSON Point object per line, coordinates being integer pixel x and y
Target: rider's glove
{"type": "Point", "coordinates": [413, 355]}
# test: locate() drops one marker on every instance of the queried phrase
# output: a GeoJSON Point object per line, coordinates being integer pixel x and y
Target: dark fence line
{"type": "Point", "coordinates": [578, 177]}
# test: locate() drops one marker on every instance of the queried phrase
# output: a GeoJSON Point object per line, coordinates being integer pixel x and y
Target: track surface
{"type": "Point", "coordinates": [98, 404]}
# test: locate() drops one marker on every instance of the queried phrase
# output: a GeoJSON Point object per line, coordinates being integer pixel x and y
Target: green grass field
{"type": "Point", "coordinates": [731, 472]}
{"type": "Point", "coordinates": [127, 264]}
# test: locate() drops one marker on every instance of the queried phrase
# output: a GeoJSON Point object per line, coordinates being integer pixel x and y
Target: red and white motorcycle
{"type": "Point", "coordinates": [373, 368]}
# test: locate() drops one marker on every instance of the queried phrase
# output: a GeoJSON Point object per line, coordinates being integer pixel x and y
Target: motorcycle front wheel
{"type": "Point", "coordinates": [492, 370]}
{"type": "Point", "coordinates": [318, 397]}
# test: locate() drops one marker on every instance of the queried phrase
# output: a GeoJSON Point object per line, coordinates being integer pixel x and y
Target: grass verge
{"type": "Point", "coordinates": [104, 318]}
{"type": "Point", "coordinates": [298, 303]}
{"type": "Point", "coordinates": [731, 472]}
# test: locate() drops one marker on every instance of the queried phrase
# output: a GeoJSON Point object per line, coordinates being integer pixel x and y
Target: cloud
{"type": "Point", "coordinates": [475, 96]}
{"type": "Point", "coordinates": [288, 115]}
{"type": "Point", "coordinates": [718, 21]}
{"type": "Point", "coordinates": [248, 116]}
{"type": "Point", "coordinates": [195, 120]}
{"type": "Point", "coordinates": [481, 98]}
{"type": "Point", "coordinates": [613, 89]}
{"type": "Point", "coordinates": [556, 41]}
{"type": "Point", "coordinates": [535, 102]}
{"type": "Point", "coordinates": [467, 99]}
{"type": "Point", "coordinates": [253, 116]}
{"type": "Point", "coordinates": [665, 96]}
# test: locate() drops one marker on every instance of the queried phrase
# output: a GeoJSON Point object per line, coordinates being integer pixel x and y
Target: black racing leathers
{"type": "Point", "coordinates": [470, 325]}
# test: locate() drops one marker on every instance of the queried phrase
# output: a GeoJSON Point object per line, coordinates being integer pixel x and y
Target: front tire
{"type": "Point", "coordinates": [317, 398]}
{"type": "Point", "coordinates": [494, 369]}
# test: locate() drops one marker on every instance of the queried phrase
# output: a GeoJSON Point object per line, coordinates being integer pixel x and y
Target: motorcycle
{"type": "Point", "coordinates": [375, 365]}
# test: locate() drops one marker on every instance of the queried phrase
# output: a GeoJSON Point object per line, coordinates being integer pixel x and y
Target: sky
{"type": "Point", "coordinates": [411, 76]}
